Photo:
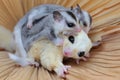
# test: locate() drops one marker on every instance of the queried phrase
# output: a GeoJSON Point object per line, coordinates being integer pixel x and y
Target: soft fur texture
{"type": "Point", "coordinates": [6, 39]}
{"type": "Point", "coordinates": [51, 56]}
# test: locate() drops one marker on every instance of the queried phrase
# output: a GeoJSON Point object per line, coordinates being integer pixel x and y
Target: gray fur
{"type": "Point", "coordinates": [41, 29]}
{"type": "Point", "coordinates": [47, 9]}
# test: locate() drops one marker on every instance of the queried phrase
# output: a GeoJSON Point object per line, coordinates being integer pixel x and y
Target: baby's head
{"type": "Point", "coordinates": [77, 46]}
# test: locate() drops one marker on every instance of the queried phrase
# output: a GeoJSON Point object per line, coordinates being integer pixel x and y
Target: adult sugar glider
{"type": "Point", "coordinates": [84, 18]}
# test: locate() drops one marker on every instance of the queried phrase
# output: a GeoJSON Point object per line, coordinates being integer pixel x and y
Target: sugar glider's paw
{"type": "Point", "coordinates": [58, 42]}
{"type": "Point", "coordinates": [33, 63]}
{"type": "Point", "coordinates": [61, 71]}
{"type": "Point", "coordinates": [97, 43]}
{"type": "Point", "coordinates": [82, 58]}
{"type": "Point", "coordinates": [29, 24]}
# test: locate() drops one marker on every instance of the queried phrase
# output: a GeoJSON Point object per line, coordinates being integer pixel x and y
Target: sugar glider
{"type": "Point", "coordinates": [6, 39]}
{"type": "Point", "coordinates": [51, 56]}
{"type": "Point", "coordinates": [84, 18]}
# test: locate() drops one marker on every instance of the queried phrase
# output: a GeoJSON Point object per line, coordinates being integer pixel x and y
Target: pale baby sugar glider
{"type": "Point", "coordinates": [51, 56]}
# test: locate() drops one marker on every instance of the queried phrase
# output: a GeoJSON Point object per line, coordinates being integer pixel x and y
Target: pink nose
{"type": "Point", "coordinates": [78, 29]}
{"type": "Point", "coordinates": [67, 53]}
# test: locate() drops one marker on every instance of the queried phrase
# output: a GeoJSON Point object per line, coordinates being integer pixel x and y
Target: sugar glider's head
{"type": "Point", "coordinates": [66, 21]}
{"type": "Point", "coordinates": [77, 46]}
{"type": "Point", "coordinates": [85, 20]}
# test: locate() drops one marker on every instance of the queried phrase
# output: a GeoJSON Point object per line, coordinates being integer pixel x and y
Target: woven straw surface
{"type": "Point", "coordinates": [104, 62]}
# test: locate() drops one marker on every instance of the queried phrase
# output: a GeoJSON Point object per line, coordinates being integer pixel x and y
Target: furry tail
{"type": "Point", "coordinates": [6, 39]}
{"type": "Point", "coordinates": [23, 61]}
{"type": "Point", "coordinates": [18, 60]}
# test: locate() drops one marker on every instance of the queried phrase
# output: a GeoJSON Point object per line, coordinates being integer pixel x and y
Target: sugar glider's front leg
{"type": "Point", "coordinates": [62, 69]}
{"type": "Point", "coordinates": [58, 41]}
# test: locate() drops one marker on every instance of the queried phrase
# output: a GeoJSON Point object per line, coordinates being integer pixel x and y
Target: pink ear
{"type": "Point", "coordinates": [57, 16]}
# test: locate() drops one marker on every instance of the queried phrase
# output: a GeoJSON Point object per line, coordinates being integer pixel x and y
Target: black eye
{"type": "Point", "coordinates": [70, 24]}
{"type": "Point", "coordinates": [84, 24]}
{"type": "Point", "coordinates": [71, 39]}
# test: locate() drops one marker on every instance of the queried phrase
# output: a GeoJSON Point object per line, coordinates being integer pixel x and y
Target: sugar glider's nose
{"type": "Point", "coordinates": [78, 29]}
{"type": "Point", "coordinates": [81, 54]}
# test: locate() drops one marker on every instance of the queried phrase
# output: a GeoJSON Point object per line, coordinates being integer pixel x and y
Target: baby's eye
{"type": "Point", "coordinates": [84, 24]}
{"type": "Point", "coordinates": [71, 39]}
{"type": "Point", "coordinates": [70, 25]}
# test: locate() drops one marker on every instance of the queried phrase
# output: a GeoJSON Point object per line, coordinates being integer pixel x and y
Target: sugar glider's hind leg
{"type": "Point", "coordinates": [23, 61]}
{"type": "Point", "coordinates": [36, 14]}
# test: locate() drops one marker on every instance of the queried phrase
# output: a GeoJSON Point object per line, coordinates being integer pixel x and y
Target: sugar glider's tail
{"type": "Point", "coordinates": [6, 39]}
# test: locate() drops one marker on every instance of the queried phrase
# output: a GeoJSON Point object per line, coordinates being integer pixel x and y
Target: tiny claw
{"type": "Point", "coordinates": [78, 61]}
{"type": "Point", "coordinates": [83, 58]}
{"type": "Point", "coordinates": [87, 55]}
{"type": "Point", "coordinates": [66, 68]}
{"type": "Point", "coordinates": [97, 43]}
{"type": "Point", "coordinates": [61, 71]}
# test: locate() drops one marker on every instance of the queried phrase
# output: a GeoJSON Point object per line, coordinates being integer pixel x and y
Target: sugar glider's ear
{"type": "Point", "coordinates": [71, 7]}
{"type": "Point", "coordinates": [57, 16]}
{"type": "Point", "coordinates": [77, 9]}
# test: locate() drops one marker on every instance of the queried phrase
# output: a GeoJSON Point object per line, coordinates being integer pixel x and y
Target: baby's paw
{"type": "Point", "coordinates": [58, 42]}
{"type": "Point", "coordinates": [61, 71]}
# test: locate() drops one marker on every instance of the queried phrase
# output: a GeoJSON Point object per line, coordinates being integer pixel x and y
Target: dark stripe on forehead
{"type": "Point", "coordinates": [72, 15]}
{"type": "Point", "coordinates": [38, 20]}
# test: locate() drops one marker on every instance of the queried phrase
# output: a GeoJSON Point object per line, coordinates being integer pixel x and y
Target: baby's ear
{"type": "Point", "coordinates": [57, 16]}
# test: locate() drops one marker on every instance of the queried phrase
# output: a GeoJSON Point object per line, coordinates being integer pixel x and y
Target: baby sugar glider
{"type": "Point", "coordinates": [84, 18]}
{"type": "Point", "coordinates": [51, 56]}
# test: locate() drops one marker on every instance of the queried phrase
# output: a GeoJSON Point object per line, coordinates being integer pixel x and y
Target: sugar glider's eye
{"type": "Point", "coordinates": [84, 23]}
{"type": "Point", "coordinates": [70, 25]}
{"type": "Point", "coordinates": [71, 39]}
